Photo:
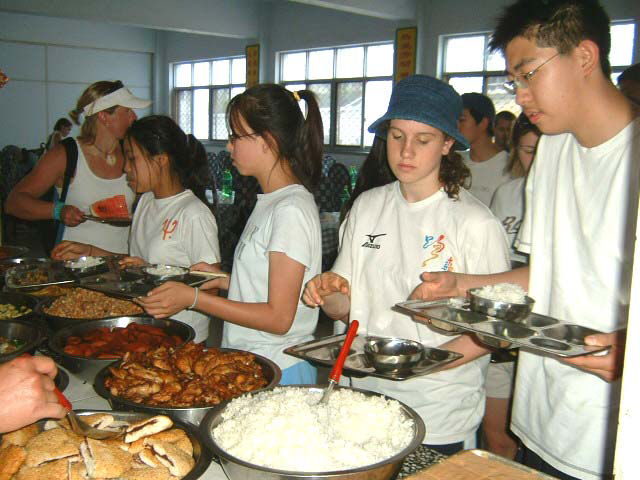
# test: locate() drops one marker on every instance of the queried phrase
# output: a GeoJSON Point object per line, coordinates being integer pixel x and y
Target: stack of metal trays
{"type": "Point", "coordinates": [532, 332]}
{"type": "Point", "coordinates": [324, 352]}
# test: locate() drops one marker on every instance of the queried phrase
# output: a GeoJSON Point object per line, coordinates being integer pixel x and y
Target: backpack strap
{"type": "Point", "coordinates": [71, 147]}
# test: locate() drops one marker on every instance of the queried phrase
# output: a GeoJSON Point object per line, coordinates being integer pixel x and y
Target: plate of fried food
{"type": "Point", "coordinates": [153, 447]}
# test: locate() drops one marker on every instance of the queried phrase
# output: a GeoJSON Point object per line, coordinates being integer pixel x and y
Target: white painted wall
{"type": "Point", "coordinates": [51, 61]}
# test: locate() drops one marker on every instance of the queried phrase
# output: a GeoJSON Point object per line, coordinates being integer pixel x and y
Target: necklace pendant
{"type": "Point", "coordinates": [111, 159]}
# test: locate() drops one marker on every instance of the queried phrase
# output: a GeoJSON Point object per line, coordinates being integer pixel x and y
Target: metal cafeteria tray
{"type": "Point", "coordinates": [534, 332]}
{"type": "Point", "coordinates": [325, 351]}
{"type": "Point", "coordinates": [127, 286]}
{"type": "Point", "coordinates": [478, 465]}
{"type": "Point", "coordinates": [52, 272]}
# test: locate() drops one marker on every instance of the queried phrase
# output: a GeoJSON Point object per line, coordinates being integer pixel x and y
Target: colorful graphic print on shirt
{"type": "Point", "coordinates": [434, 247]}
{"type": "Point", "coordinates": [168, 227]}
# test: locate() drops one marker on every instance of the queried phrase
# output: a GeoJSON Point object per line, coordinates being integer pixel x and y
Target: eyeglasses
{"type": "Point", "coordinates": [233, 137]}
{"type": "Point", "coordinates": [522, 80]}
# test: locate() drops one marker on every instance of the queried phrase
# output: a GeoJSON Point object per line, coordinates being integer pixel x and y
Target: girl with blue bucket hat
{"type": "Point", "coordinates": [423, 220]}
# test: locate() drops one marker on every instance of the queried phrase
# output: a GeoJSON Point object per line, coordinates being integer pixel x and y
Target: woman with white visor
{"type": "Point", "coordinates": [104, 111]}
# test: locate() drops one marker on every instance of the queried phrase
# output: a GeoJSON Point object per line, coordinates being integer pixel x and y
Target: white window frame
{"type": "Point", "coordinates": [334, 82]}
{"type": "Point", "coordinates": [175, 92]}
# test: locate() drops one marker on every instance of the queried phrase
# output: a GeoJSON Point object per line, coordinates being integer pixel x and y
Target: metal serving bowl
{"type": "Point", "coordinates": [193, 415]}
{"type": "Point", "coordinates": [511, 312]}
{"type": "Point", "coordinates": [165, 272]}
{"type": "Point", "coordinates": [75, 266]}
{"type": "Point", "coordinates": [200, 454]}
{"type": "Point", "coordinates": [87, 368]}
{"type": "Point", "coordinates": [19, 300]}
{"type": "Point", "coordinates": [56, 323]}
{"type": "Point", "coordinates": [392, 354]}
{"type": "Point", "coordinates": [237, 469]}
{"type": "Point", "coordinates": [20, 330]}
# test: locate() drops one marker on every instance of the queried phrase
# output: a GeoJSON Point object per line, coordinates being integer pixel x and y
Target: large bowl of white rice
{"type": "Point", "coordinates": [284, 433]}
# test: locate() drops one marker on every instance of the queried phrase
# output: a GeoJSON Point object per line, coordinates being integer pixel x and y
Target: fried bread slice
{"type": "Point", "coordinates": [11, 459]}
{"type": "Point", "coordinates": [19, 437]}
{"type": "Point", "coordinates": [176, 436]}
{"type": "Point", "coordinates": [50, 445]}
{"type": "Point", "coordinates": [177, 461]}
{"type": "Point", "coordinates": [147, 427]}
{"type": "Point", "coordinates": [148, 473]}
{"type": "Point", "coordinates": [56, 469]}
{"type": "Point", "coordinates": [103, 460]}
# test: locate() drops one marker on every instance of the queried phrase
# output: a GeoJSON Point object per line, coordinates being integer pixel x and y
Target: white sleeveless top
{"type": "Point", "coordinates": [87, 188]}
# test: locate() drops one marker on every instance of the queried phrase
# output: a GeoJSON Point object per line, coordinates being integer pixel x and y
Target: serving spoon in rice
{"type": "Point", "coordinates": [336, 371]}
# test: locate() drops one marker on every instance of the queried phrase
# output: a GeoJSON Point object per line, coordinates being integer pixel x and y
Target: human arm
{"type": "Point", "coordinates": [67, 250]}
{"type": "Point", "coordinates": [275, 316]}
{"type": "Point", "coordinates": [437, 285]}
{"type": "Point", "coordinates": [331, 292]}
{"type": "Point", "coordinates": [26, 389]}
{"type": "Point", "coordinates": [24, 200]}
{"type": "Point", "coordinates": [609, 366]}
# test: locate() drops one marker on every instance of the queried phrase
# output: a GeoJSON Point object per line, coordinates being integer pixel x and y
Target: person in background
{"type": "Point", "coordinates": [106, 110]}
{"type": "Point", "coordinates": [629, 83]}
{"type": "Point", "coordinates": [502, 125]}
{"type": "Point", "coordinates": [582, 185]}
{"type": "Point", "coordinates": [508, 200]}
{"type": "Point", "coordinates": [280, 248]}
{"type": "Point", "coordinates": [508, 206]}
{"type": "Point", "coordinates": [26, 389]}
{"type": "Point", "coordinates": [61, 130]}
{"type": "Point", "coordinates": [424, 220]}
{"type": "Point", "coordinates": [172, 223]}
{"type": "Point", "coordinates": [484, 159]}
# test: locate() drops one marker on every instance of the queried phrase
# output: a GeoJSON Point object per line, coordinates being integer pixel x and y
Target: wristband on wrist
{"type": "Point", "coordinates": [195, 300]}
{"type": "Point", "coordinates": [57, 209]}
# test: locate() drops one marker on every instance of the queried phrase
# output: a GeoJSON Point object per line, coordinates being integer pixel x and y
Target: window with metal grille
{"type": "Point", "coordinates": [201, 92]}
{"type": "Point", "coordinates": [352, 84]}
{"type": "Point", "coordinates": [468, 65]}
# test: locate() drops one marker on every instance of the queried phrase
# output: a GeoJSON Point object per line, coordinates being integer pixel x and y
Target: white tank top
{"type": "Point", "coordinates": [87, 188]}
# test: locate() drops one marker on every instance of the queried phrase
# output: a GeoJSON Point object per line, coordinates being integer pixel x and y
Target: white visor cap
{"type": "Point", "coordinates": [122, 97]}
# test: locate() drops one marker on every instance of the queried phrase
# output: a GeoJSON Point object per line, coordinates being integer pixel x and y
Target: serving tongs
{"type": "Point", "coordinates": [81, 427]}
{"type": "Point", "coordinates": [336, 371]}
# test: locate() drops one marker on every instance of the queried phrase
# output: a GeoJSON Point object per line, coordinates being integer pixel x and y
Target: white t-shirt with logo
{"type": "Point", "coordinates": [178, 230]}
{"type": "Point", "coordinates": [508, 206]}
{"type": "Point", "coordinates": [578, 228]}
{"type": "Point", "coordinates": [286, 221]}
{"type": "Point", "coordinates": [486, 176]}
{"type": "Point", "coordinates": [386, 243]}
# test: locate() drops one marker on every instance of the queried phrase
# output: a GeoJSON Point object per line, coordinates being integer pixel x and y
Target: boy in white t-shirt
{"type": "Point", "coordinates": [486, 161]}
{"type": "Point", "coordinates": [579, 225]}
{"type": "Point", "coordinates": [426, 220]}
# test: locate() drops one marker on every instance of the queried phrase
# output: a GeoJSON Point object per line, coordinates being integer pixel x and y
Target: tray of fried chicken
{"type": "Point", "coordinates": [153, 447]}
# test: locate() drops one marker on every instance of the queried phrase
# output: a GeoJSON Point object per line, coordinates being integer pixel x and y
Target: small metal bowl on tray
{"type": "Point", "coordinates": [161, 272]}
{"type": "Point", "coordinates": [194, 414]}
{"type": "Point", "coordinates": [86, 368]}
{"type": "Point", "coordinates": [201, 455]}
{"type": "Point", "coordinates": [511, 312]}
{"type": "Point", "coordinates": [237, 469]}
{"type": "Point", "coordinates": [86, 265]}
{"type": "Point", "coordinates": [28, 334]}
{"type": "Point", "coordinates": [392, 354]}
{"type": "Point", "coordinates": [17, 306]}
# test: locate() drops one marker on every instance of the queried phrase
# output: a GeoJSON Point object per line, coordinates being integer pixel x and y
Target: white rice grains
{"type": "Point", "coordinates": [287, 429]}
{"type": "Point", "coordinates": [502, 292]}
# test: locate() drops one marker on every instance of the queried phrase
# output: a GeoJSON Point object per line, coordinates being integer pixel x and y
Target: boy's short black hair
{"type": "Point", "coordinates": [631, 74]}
{"type": "Point", "coordinates": [561, 24]}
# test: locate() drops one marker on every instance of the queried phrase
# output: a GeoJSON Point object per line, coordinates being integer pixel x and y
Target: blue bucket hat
{"type": "Point", "coordinates": [426, 100]}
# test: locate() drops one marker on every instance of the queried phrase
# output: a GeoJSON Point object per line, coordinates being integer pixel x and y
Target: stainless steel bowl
{"type": "Point", "coordinates": [193, 415]}
{"type": "Point", "coordinates": [167, 272]}
{"type": "Point", "coordinates": [23, 330]}
{"type": "Point", "coordinates": [56, 323]}
{"type": "Point", "coordinates": [87, 368]}
{"type": "Point", "coordinates": [237, 469]}
{"type": "Point", "coordinates": [200, 453]}
{"type": "Point", "coordinates": [392, 354]}
{"type": "Point", "coordinates": [72, 267]}
{"type": "Point", "coordinates": [511, 312]}
{"type": "Point", "coordinates": [20, 300]}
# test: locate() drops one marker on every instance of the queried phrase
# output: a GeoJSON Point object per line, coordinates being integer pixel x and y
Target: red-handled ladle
{"type": "Point", "coordinates": [336, 371]}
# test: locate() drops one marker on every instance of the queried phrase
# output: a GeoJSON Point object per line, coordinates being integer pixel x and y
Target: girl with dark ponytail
{"type": "Point", "coordinates": [281, 246]}
{"type": "Point", "coordinates": [172, 223]}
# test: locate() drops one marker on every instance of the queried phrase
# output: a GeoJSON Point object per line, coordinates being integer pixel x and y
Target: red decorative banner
{"type": "Point", "coordinates": [253, 64]}
{"type": "Point", "coordinates": [405, 53]}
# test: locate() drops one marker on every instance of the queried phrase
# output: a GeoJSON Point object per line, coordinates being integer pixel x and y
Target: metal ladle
{"type": "Point", "coordinates": [336, 371]}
